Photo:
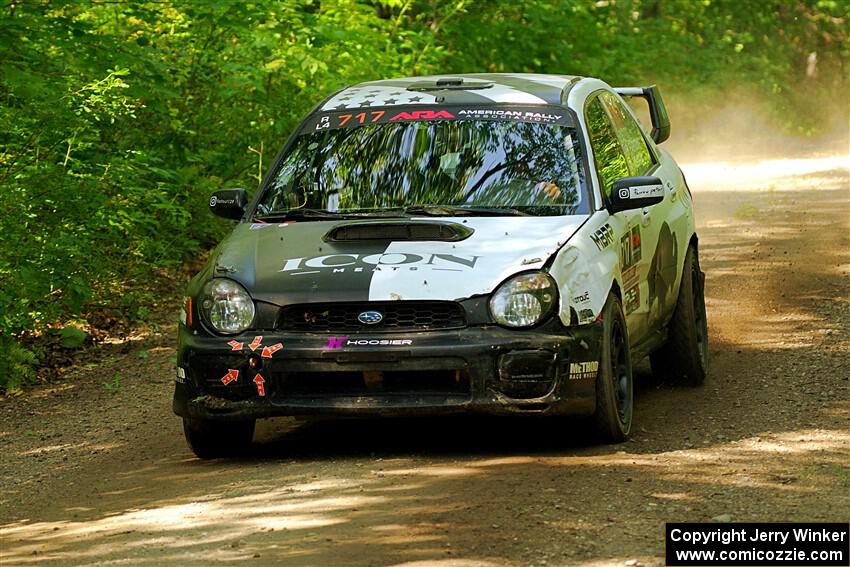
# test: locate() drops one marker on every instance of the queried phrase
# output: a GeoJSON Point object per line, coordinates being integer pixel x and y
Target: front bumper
{"type": "Point", "coordinates": [482, 369]}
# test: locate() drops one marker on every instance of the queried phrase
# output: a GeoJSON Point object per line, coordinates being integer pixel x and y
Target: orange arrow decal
{"type": "Point", "coordinates": [230, 376]}
{"type": "Point", "coordinates": [255, 343]}
{"type": "Point", "coordinates": [268, 351]}
{"type": "Point", "coordinates": [259, 381]}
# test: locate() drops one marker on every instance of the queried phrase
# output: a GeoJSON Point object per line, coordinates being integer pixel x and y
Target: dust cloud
{"type": "Point", "coordinates": [747, 128]}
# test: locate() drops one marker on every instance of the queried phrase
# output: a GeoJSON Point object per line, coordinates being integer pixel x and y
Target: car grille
{"type": "Point", "coordinates": [397, 316]}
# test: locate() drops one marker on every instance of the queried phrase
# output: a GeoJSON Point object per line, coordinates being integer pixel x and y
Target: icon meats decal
{"type": "Point", "coordinates": [393, 261]}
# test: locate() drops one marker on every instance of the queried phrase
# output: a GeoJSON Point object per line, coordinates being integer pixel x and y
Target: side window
{"type": "Point", "coordinates": [629, 133]}
{"type": "Point", "coordinates": [607, 153]}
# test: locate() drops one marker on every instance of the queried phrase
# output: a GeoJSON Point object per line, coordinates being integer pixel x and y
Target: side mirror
{"type": "Point", "coordinates": [629, 193]}
{"type": "Point", "coordinates": [229, 203]}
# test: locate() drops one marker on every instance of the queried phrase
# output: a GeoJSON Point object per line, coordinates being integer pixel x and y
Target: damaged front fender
{"type": "Point", "coordinates": [585, 269]}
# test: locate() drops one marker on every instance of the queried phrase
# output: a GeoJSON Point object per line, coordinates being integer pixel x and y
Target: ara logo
{"type": "Point", "coordinates": [392, 261]}
{"type": "Point", "coordinates": [422, 115]}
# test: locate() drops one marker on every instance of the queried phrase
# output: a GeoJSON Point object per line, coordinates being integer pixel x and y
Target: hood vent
{"type": "Point", "coordinates": [399, 231]}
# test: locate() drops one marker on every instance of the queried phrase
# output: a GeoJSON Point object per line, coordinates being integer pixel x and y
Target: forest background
{"type": "Point", "coordinates": [119, 118]}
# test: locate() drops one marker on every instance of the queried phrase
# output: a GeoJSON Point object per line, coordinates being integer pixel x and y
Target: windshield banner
{"type": "Point", "coordinates": [352, 118]}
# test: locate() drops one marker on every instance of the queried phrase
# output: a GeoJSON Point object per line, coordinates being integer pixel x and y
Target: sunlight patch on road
{"type": "Point", "coordinates": [500, 462]}
{"type": "Point", "coordinates": [433, 471]}
{"type": "Point", "coordinates": [403, 534]}
{"type": "Point", "coordinates": [729, 462]}
{"type": "Point", "coordinates": [52, 448]}
{"type": "Point", "coordinates": [677, 496]}
{"type": "Point", "coordinates": [220, 520]}
{"type": "Point", "coordinates": [457, 562]}
{"type": "Point", "coordinates": [623, 560]}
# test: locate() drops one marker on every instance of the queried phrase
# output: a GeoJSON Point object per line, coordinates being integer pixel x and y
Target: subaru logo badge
{"type": "Point", "coordinates": [370, 317]}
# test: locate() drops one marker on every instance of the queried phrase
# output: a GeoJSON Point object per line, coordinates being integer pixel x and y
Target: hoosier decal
{"type": "Point", "coordinates": [336, 343]}
{"type": "Point", "coordinates": [379, 342]}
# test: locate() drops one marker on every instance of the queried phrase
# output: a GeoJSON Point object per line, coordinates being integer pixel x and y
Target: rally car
{"type": "Point", "coordinates": [496, 243]}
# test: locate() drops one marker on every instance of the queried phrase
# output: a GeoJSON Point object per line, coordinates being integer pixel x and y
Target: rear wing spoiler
{"type": "Point", "coordinates": [657, 110]}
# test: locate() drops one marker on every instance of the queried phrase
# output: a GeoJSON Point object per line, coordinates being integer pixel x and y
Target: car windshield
{"type": "Point", "coordinates": [434, 167]}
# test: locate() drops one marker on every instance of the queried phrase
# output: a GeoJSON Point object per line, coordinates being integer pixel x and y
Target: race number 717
{"type": "Point", "coordinates": [375, 115]}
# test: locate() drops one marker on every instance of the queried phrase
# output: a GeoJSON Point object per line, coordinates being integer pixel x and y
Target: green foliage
{"type": "Point", "coordinates": [702, 50]}
{"type": "Point", "coordinates": [117, 119]}
{"type": "Point", "coordinates": [113, 384]}
{"type": "Point", "coordinates": [72, 337]}
{"type": "Point", "coordinates": [16, 364]}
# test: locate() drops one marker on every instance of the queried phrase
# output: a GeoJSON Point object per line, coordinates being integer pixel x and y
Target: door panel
{"type": "Point", "coordinates": [659, 248]}
{"type": "Point", "coordinates": [611, 164]}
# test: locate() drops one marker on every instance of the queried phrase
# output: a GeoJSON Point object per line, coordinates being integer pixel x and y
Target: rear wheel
{"type": "Point", "coordinates": [614, 390]}
{"type": "Point", "coordinates": [684, 357]}
{"type": "Point", "coordinates": [214, 439]}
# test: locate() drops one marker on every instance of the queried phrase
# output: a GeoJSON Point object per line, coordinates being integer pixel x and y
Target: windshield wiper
{"type": "Point", "coordinates": [427, 210]}
{"type": "Point", "coordinates": [320, 214]}
{"type": "Point", "coordinates": [456, 211]}
{"type": "Point", "coordinates": [297, 214]}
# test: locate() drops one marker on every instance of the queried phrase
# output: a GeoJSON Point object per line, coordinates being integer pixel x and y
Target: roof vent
{"type": "Point", "coordinates": [399, 231]}
{"type": "Point", "coordinates": [449, 84]}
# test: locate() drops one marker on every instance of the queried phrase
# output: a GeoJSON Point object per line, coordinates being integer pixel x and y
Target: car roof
{"type": "Point", "coordinates": [470, 88]}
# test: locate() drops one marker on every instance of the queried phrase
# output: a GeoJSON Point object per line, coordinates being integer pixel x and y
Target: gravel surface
{"type": "Point", "coordinates": [95, 471]}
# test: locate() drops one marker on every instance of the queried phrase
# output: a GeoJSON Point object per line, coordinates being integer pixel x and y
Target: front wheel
{"type": "Point", "coordinates": [214, 439]}
{"type": "Point", "coordinates": [684, 357]}
{"type": "Point", "coordinates": [614, 389]}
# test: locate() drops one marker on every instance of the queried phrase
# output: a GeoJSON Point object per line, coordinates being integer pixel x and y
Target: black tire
{"type": "Point", "coordinates": [214, 439]}
{"type": "Point", "coordinates": [614, 387]}
{"type": "Point", "coordinates": [684, 357]}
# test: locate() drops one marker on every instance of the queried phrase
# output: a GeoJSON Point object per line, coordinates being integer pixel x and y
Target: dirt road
{"type": "Point", "coordinates": [95, 471]}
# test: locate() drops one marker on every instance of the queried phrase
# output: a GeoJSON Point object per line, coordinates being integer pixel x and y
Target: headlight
{"type": "Point", "coordinates": [524, 300]}
{"type": "Point", "coordinates": [226, 306]}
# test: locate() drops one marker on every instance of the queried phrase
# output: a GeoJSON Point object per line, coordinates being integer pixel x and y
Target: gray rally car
{"type": "Point", "coordinates": [497, 243]}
